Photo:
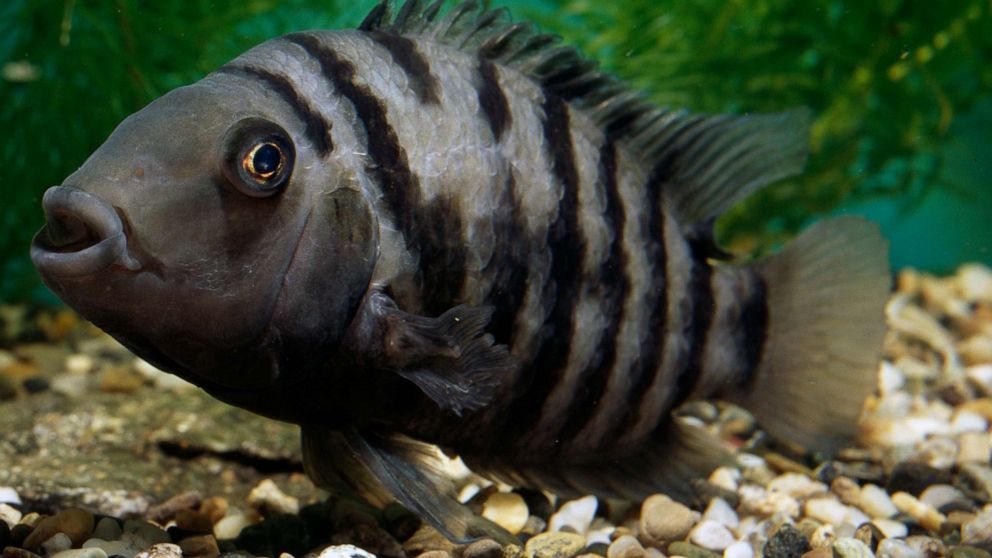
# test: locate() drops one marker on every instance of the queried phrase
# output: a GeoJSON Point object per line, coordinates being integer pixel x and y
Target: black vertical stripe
{"type": "Point", "coordinates": [408, 57]}
{"type": "Point", "coordinates": [753, 328]}
{"type": "Point", "coordinates": [492, 99]}
{"type": "Point", "coordinates": [567, 245]}
{"type": "Point", "coordinates": [509, 262]}
{"type": "Point", "coordinates": [317, 129]}
{"type": "Point", "coordinates": [648, 365]}
{"type": "Point", "coordinates": [435, 232]}
{"type": "Point", "coordinates": [703, 310]}
{"type": "Point", "coordinates": [614, 288]}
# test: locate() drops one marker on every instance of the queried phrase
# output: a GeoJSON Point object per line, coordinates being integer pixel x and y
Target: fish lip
{"type": "Point", "coordinates": [82, 235]}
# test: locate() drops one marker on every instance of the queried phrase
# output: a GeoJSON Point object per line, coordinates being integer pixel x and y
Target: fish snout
{"type": "Point", "coordinates": [83, 234]}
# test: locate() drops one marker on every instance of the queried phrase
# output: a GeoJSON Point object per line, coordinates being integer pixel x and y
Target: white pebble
{"type": "Point", "coordinates": [161, 550]}
{"type": "Point", "coordinates": [230, 526]}
{"type": "Point", "coordinates": [897, 548]}
{"type": "Point", "coordinates": [727, 478]}
{"type": "Point", "coordinates": [740, 549]}
{"type": "Point", "coordinates": [939, 495]}
{"type": "Point", "coordinates": [71, 385]}
{"type": "Point", "coordinates": [268, 496]}
{"type": "Point", "coordinates": [56, 543]}
{"type": "Point", "coordinates": [721, 512]}
{"type": "Point", "coordinates": [796, 485]}
{"type": "Point", "coordinates": [710, 534]}
{"type": "Point", "coordinates": [974, 282]}
{"type": "Point", "coordinates": [876, 502]}
{"type": "Point", "coordinates": [9, 496]}
{"type": "Point", "coordinates": [93, 552]}
{"type": "Point", "coordinates": [979, 529]}
{"type": "Point", "coordinates": [981, 374]}
{"type": "Point", "coordinates": [976, 447]}
{"type": "Point", "coordinates": [468, 492]}
{"type": "Point", "coordinates": [10, 515]}
{"type": "Point", "coordinates": [891, 528]}
{"type": "Point", "coordinates": [890, 378]}
{"type": "Point", "coordinates": [576, 514]}
{"type": "Point", "coordinates": [967, 421]}
{"type": "Point", "coordinates": [506, 509]}
{"type": "Point", "coordinates": [851, 548]}
{"type": "Point", "coordinates": [827, 510]}
{"type": "Point", "coordinates": [79, 363]}
{"type": "Point", "coordinates": [344, 551]}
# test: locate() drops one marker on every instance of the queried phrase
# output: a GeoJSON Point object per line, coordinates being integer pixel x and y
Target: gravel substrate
{"type": "Point", "coordinates": [917, 483]}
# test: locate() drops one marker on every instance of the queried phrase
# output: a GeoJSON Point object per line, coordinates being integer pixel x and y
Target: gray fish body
{"type": "Point", "coordinates": [433, 231]}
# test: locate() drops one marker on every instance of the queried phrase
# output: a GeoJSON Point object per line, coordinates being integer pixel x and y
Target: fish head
{"type": "Point", "coordinates": [209, 236]}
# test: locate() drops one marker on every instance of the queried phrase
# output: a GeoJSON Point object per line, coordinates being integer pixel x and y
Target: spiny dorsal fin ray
{"type": "Point", "coordinates": [709, 162]}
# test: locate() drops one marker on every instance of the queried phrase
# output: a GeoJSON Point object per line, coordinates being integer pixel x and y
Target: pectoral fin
{"type": "Point", "coordinates": [450, 358]}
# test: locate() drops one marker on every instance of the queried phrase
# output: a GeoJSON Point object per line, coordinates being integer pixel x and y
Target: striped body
{"type": "Point", "coordinates": [491, 190]}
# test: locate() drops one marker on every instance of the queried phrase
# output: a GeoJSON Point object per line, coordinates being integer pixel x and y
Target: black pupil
{"type": "Point", "coordinates": [266, 159]}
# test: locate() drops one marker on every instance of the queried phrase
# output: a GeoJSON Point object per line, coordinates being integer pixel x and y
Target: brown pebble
{"type": "Point", "coordinates": [192, 520]}
{"type": "Point", "coordinates": [847, 490]}
{"type": "Point", "coordinates": [626, 547]}
{"type": "Point", "coordinates": [427, 538]}
{"type": "Point", "coordinates": [77, 523]}
{"type": "Point", "coordinates": [120, 379]}
{"type": "Point", "coordinates": [869, 534]}
{"type": "Point", "coordinates": [822, 552]}
{"type": "Point", "coordinates": [483, 548]}
{"type": "Point", "coordinates": [16, 552]}
{"type": "Point", "coordinates": [200, 546]}
{"type": "Point", "coordinates": [215, 508]}
{"type": "Point", "coordinates": [167, 509]}
{"type": "Point", "coordinates": [435, 554]}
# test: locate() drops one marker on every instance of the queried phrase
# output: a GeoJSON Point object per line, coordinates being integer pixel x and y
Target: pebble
{"type": "Point", "coordinates": [915, 477]}
{"type": "Point", "coordinates": [827, 510]}
{"type": "Point", "coordinates": [891, 528]}
{"type": "Point", "coordinates": [267, 496]}
{"type": "Point", "coordinates": [344, 551]}
{"type": "Point", "coordinates": [978, 477]}
{"type": "Point", "coordinates": [10, 515]}
{"type": "Point", "coordinates": [9, 496]}
{"type": "Point", "coordinates": [576, 514]}
{"type": "Point", "coordinates": [664, 519]}
{"type": "Point", "coordinates": [15, 552]}
{"type": "Point", "coordinates": [740, 549]}
{"type": "Point", "coordinates": [81, 553]}
{"type": "Point", "coordinates": [202, 546]}
{"type": "Point", "coordinates": [195, 521]}
{"type": "Point", "coordinates": [161, 550]}
{"type": "Point", "coordinates": [56, 543]}
{"type": "Point", "coordinates": [822, 552]}
{"type": "Point", "coordinates": [897, 548]}
{"type": "Point", "coordinates": [144, 533]}
{"type": "Point", "coordinates": [435, 554]}
{"type": "Point", "coordinates": [796, 485]}
{"type": "Point", "coordinates": [712, 535]}
{"type": "Point", "coordinates": [939, 495]}
{"type": "Point", "coordinates": [108, 529]}
{"type": "Point", "coordinates": [823, 536]}
{"type": "Point", "coordinates": [626, 546]}
{"type": "Point", "coordinates": [115, 547]}
{"type": "Point", "coordinates": [925, 515]}
{"type": "Point", "coordinates": [554, 545]}
{"type": "Point", "coordinates": [168, 509]}
{"type": "Point", "coordinates": [847, 547]}
{"type": "Point", "coordinates": [969, 552]}
{"type": "Point", "coordinates": [720, 511]}
{"type": "Point", "coordinates": [506, 509]}
{"type": "Point", "coordinates": [875, 501]}
{"type": "Point", "coordinates": [689, 550]}
{"type": "Point", "coordinates": [76, 523]}
{"type": "Point", "coordinates": [787, 542]}
{"type": "Point", "coordinates": [728, 478]}
{"type": "Point", "coordinates": [483, 548]}
{"type": "Point", "coordinates": [975, 447]}
{"type": "Point", "coordinates": [869, 534]}
{"type": "Point", "coordinates": [979, 529]}
{"type": "Point", "coordinates": [230, 526]}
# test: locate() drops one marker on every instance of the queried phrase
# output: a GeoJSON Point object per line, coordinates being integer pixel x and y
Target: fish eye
{"type": "Point", "coordinates": [259, 157]}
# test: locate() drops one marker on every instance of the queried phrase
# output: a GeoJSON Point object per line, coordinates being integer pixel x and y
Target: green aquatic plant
{"type": "Point", "coordinates": [885, 81]}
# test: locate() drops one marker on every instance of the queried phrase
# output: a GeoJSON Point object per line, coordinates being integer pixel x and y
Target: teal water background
{"type": "Point", "coordinates": [901, 92]}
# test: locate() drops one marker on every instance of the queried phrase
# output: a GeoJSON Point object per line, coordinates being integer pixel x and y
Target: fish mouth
{"type": "Point", "coordinates": [83, 234]}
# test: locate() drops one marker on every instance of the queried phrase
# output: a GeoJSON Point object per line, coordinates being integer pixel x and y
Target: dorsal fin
{"type": "Point", "coordinates": [706, 162]}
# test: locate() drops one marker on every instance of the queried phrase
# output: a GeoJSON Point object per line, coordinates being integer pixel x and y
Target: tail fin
{"type": "Point", "coordinates": [826, 297]}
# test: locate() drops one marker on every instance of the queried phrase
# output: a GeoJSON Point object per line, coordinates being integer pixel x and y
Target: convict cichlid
{"type": "Point", "coordinates": [444, 229]}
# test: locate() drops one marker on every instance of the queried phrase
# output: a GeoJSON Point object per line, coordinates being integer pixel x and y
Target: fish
{"type": "Point", "coordinates": [446, 232]}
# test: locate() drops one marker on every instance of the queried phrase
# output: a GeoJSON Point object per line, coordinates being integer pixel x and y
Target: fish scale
{"type": "Point", "coordinates": [465, 236]}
